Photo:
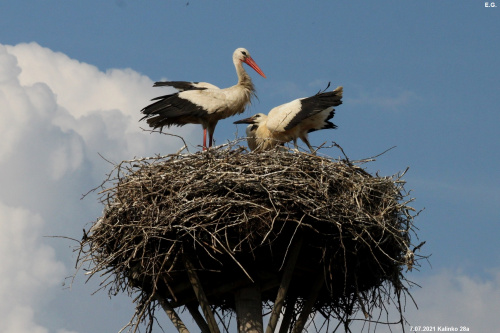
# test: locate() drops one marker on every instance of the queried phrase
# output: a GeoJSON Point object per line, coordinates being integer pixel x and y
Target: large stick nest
{"type": "Point", "coordinates": [235, 216]}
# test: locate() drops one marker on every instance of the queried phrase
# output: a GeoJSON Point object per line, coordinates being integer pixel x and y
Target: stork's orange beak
{"type": "Point", "coordinates": [249, 61]}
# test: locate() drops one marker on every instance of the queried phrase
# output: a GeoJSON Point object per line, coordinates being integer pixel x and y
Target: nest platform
{"type": "Point", "coordinates": [312, 229]}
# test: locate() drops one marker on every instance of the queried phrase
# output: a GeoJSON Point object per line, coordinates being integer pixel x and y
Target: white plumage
{"type": "Point", "coordinates": [203, 103]}
{"type": "Point", "coordinates": [292, 121]}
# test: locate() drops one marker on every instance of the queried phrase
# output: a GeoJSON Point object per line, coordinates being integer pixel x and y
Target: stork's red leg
{"type": "Point", "coordinates": [210, 138]}
{"type": "Point", "coordinates": [204, 139]}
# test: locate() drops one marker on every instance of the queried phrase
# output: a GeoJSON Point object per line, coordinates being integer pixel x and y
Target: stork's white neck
{"type": "Point", "coordinates": [244, 79]}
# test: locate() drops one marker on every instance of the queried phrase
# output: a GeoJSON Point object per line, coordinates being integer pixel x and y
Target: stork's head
{"type": "Point", "coordinates": [253, 125]}
{"type": "Point", "coordinates": [242, 55]}
{"type": "Point", "coordinates": [255, 120]}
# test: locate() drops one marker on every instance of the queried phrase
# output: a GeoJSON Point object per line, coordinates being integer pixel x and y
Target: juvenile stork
{"type": "Point", "coordinates": [292, 120]}
{"type": "Point", "coordinates": [201, 102]}
{"type": "Point", "coordinates": [251, 136]}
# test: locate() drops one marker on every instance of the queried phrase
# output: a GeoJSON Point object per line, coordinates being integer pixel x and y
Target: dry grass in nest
{"type": "Point", "coordinates": [235, 216]}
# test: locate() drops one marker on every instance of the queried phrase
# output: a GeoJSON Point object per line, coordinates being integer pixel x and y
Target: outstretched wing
{"type": "Point", "coordinates": [289, 115]}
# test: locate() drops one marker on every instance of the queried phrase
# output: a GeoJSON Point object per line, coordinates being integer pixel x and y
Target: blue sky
{"type": "Point", "coordinates": [420, 75]}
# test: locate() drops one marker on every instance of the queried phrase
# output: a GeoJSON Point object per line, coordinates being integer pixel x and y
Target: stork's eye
{"type": "Point", "coordinates": [244, 53]}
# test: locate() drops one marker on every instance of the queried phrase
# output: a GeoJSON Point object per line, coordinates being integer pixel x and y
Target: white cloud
{"type": "Point", "coordinates": [453, 298]}
{"type": "Point", "coordinates": [101, 107]}
{"type": "Point", "coordinates": [8, 66]}
{"type": "Point", "coordinates": [29, 268]}
{"type": "Point", "coordinates": [20, 320]}
{"type": "Point", "coordinates": [81, 88]}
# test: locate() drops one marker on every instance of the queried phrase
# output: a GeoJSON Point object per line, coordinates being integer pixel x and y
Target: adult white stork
{"type": "Point", "coordinates": [292, 120]}
{"type": "Point", "coordinates": [203, 103]}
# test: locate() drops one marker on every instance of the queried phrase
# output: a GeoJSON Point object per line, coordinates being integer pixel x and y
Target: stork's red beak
{"type": "Point", "coordinates": [245, 121]}
{"type": "Point", "coordinates": [249, 61]}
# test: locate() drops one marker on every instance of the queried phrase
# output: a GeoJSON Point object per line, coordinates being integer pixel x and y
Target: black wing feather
{"type": "Point", "coordinates": [315, 104]}
{"type": "Point", "coordinates": [327, 124]}
{"type": "Point", "coordinates": [179, 85]}
{"type": "Point", "coordinates": [171, 110]}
